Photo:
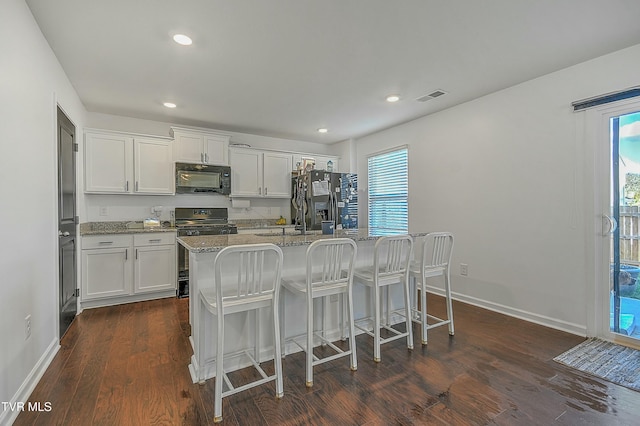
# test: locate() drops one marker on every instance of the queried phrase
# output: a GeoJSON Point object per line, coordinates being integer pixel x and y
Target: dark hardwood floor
{"type": "Point", "coordinates": [127, 365]}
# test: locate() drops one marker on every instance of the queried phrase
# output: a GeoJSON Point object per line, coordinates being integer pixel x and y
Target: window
{"type": "Point", "coordinates": [388, 193]}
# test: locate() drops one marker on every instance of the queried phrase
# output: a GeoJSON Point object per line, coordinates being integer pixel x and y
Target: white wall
{"type": "Point", "coordinates": [138, 207]}
{"type": "Point", "coordinates": [31, 80]}
{"type": "Point", "coordinates": [508, 174]}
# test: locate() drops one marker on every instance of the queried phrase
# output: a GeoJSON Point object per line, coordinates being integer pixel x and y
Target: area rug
{"type": "Point", "coordinates": [615, 363]}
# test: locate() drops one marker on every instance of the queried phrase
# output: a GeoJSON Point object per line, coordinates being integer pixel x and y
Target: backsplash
{"type": "Point", "coordinates": [109, 208]}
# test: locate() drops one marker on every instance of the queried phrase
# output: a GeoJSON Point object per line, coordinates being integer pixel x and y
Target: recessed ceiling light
{"type": "Point", "coordinates": [393, 98]}
{"type": "Point", "coordinates": [323, 130]}
{"type": "Point", "coordinates": [182, 39]}
{"type": "Point", "coordinates": [169, 104]}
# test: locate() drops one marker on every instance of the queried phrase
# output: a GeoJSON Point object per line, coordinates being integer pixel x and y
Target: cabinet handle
{"type": "Point", "coordinates": [136, 186]}
{"type": "Point", "coordinates": [126, 254]}
{"type": "Point", "coordinates": [265, 190]}
{"type": "Point", "coordinates": [136, 254]}
{"type": "Point", "coordinates": [126, 187]}
{"type": "Point", "coordinates": [105, 242]}
{"type": "Point", "coordinates": [259, 190]}
{"type": "Point", "coordinates": [202, 157]}
{"type": "Point", "coordinates": [206, 158]}
{"type": "Point", "coordinates": [155, 240]}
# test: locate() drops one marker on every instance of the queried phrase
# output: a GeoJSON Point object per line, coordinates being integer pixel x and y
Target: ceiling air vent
{"type": "Point", "coordinates": [431, 95]}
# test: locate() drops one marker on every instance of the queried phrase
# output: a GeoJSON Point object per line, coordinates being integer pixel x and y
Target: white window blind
{"type": "Point", "coordinates": [388, 193]}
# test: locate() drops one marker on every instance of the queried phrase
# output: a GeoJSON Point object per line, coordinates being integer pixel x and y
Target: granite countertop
{"type": "Point", "coordinates": [119, 227]}
{"type": "Point", "coordinates": [214, 243]}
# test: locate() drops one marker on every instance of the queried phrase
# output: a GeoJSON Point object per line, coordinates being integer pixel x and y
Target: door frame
{"type": "Point", "coordinates": [597, 128]}
{"type": "Point", "coordinates": [56, 161]}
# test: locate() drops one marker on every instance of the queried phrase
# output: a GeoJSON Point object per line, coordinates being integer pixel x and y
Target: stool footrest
{"type": "Point", "coordinates": [233, 390]}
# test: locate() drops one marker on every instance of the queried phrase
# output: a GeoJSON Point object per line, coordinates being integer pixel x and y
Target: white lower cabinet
{"type": "Point", "coordinates": [107, 269]}
{"type": "Point", "coordinates": [122, 268]}
{"type": "Point", "coordinates": [155, 259]}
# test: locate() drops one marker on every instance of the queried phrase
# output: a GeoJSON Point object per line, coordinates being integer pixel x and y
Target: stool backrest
{"type": "Point", "coordinates": [392, 255]}
{"type": "Point", "coordinates": [330, 262]}
{"type": "Point", "coordinates": [437, 249]}
{"type": "Point", "coordinates": [247, 272]}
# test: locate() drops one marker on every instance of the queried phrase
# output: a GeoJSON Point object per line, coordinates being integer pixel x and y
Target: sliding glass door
{"type": "Point", "coordinates": [623, 224]}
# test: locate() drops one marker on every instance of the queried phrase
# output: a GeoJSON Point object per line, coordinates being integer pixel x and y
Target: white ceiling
{"type": "Point", "coordinates": [285, 68]}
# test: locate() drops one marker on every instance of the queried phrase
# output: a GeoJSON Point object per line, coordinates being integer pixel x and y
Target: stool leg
{"type": "Point", "coordinates": [277, 358]}
{"type": "Point", "coordinates": [352, 329]}
{"type": "Point", "coordinates": [309, 360]}
{"type": "Point", "coordinates": [376, 322]}
{"type": "Point", "coordinates": [387, 319]}
{"type": "Point", "coordinates": [282, 337]}
{"type": "Point", "coordinates": [423, 309]}
{"type": "Point", "coordinates": [407, 311]}
{"type": "Point", "coordinates": [217, 417]}
{"type": "Point", "coordinates": [447, 286]}
{"type": "Point", "coordinates": [343, 337]}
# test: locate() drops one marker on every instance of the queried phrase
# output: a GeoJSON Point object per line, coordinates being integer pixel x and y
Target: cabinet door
{"type": "Point", "coordinates": [108, 163]}
{"type": "Point", "coordinates": [106, 273]}
{"type": "Point", "coordinates": [277, 175]}
{"type": "Point", "coordinates": [154, 172]}
{"type": "Point", "coordinates": [216, 149]}
{"type": "Point", "coordinates": [246, 173]}
{"type": "Point", "coordinates": [188, 147]}
{"type": "Point", "coordinates": [155, 268]}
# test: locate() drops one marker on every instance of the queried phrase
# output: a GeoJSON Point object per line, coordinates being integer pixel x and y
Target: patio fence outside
{"type": "Point", "coordinates": [629, 225]}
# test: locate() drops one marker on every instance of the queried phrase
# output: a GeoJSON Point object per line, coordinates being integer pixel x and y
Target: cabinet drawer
{"type": "Point", "coordinates": [105, 241]}
{"type": "Point", "coordinates": [154, 239]}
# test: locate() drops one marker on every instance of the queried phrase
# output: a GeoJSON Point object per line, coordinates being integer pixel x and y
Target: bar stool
{"type": "Point", "coordinates": [434, 262]}
{"type": "Point", "coordinates": [391, 258]}
{"type": "Point", "coordinates": [329, 271]}
{"type": "Point", "coordinates": [247, 278]}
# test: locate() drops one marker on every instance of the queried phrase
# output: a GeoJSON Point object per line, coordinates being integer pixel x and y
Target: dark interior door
{"type": "Point", "coordinates": [68, 296]}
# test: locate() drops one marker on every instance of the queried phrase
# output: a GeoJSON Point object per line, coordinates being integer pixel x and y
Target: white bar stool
{"type": "Point", "coordinates": [329, 271]}
{"type": "Point", "coordinates": [391, 258]}
{"type": "Point", "coordinates": [247, 278]}
{"type": "Point", "coordinates": [434, 262]}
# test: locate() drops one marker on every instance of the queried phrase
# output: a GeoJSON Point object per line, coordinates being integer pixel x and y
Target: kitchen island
{"type": "Point", "coordinates": [202, 252]}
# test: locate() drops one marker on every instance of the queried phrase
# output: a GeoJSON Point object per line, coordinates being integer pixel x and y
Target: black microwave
{"type": "Point", "coordinates": [202, 179]}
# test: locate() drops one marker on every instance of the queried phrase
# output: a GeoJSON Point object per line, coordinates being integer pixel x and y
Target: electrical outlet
{"type": "Point", "coordinates": [464, 269]}
{"type": "Point", "coordinates": [104, 211]}
{"type": "Point", "coordinates": [27, 327]}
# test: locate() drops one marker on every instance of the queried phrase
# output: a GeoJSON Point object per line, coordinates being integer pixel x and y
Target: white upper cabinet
{"type": "Point", "coordinates": [153, 168]}
{"type": "Point", "coordinates": [193, 146]}
{"type": "Point", "coordinates": [108, 163]}
{"type": "Point", "coordinates": [256, 173]}
{"type": "Point", "coordinates": [246, 172]}
{"type": "Point", "coordinates": [276, 173]}
{"type": "Point", "coordinates": [120, 163]}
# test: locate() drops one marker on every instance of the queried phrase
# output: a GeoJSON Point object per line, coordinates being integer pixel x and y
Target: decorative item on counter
{"type": "Point", "coordinates": [281, 221]}
{"type": "Point", "coordinates": [327, 227]}
{"type": "Point", "coordinates": [329, 166]}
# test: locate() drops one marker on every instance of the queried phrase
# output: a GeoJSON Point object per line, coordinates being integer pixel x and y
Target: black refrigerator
{"type": "Point", "coordinates": [320, 196]}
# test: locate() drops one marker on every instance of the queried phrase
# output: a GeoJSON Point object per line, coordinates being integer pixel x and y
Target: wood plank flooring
{"type": "Point", "coordinates": [127, 365]}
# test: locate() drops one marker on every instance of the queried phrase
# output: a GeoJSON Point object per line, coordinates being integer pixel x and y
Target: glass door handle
{"type": "Point", "coordinates": [613, 225]}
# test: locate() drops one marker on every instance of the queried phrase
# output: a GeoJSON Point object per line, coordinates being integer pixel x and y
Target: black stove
{"type": "Point", "coordinates": [194, 221]}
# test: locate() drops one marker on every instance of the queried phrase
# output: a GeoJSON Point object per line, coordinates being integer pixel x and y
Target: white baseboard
{"type": "Point", "coordinates": [7, 417]}
{"type": "Point", "coordinates": [580, 330]}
